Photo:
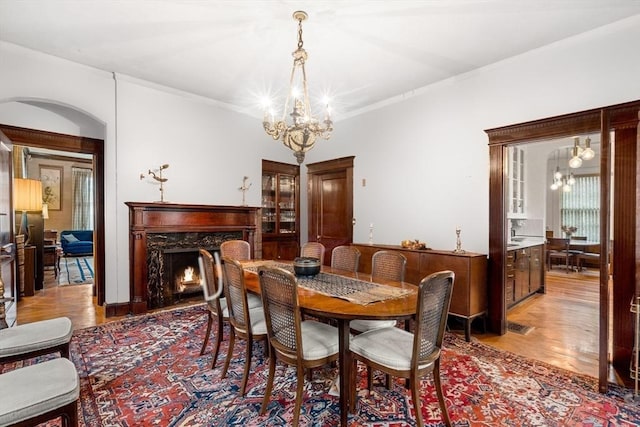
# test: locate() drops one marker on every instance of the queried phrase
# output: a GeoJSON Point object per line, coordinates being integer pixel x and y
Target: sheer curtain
{"type": "Point", "coordinates": [581, 207]}
{"type": "Point", "coordinates": [82, 198]}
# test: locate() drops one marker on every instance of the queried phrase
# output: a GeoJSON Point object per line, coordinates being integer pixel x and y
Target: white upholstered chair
{"type": "Point", "coordinates": [35, 339]}
{"type": "Point", "coordinates": [247, 324]}
{"type": "Point", "coordinates": [411, 355]}
{"type": "Point", "coordinates": [304, 344]}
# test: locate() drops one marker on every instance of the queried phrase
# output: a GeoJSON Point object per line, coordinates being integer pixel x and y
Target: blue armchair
{"type": "Point", "coordinates": [77, 242]}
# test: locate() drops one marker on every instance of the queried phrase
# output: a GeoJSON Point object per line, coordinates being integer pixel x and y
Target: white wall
{"type": "Point", "coordinates": [209, 149]}
{"type": "Point", "coordinates": [425, 159]}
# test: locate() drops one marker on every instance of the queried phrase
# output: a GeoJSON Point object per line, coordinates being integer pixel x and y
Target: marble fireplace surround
{"type": "Point", "coordinates": [157, 227]}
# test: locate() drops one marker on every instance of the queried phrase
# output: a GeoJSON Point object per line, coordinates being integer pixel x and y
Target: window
{"type": "Point", "coordinates": [82, 187]}
{"type": "Point", "coordinates": [581, 207]}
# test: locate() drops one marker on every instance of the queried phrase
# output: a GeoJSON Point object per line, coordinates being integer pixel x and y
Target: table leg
{"type": "Point", "coordinates": [344, 366]}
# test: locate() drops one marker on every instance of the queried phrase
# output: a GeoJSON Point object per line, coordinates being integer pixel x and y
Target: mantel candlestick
{"type": "Point", "coordinates": [458, 249]}
{"type": "Point", "coordinates": [244, 189]}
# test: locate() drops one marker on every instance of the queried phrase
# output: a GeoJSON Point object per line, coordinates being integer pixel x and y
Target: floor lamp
{"type": "Point", "coordinates": [27, 197]}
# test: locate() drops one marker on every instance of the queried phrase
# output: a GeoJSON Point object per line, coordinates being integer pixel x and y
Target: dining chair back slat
{"type": "Point", "coordinates": [237, 249]}
{"type": "Point", "coordinates": [345, 258]}
{"type": "Point", "coordinates": [313, 250]}
{"type": "Point", "coordinates": [388, 265]}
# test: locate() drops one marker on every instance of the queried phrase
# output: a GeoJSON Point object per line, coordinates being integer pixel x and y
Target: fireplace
{"type": "Point", "coordinates": [182, 273]}
{"type": "Point", "coordinates": [165, 239]}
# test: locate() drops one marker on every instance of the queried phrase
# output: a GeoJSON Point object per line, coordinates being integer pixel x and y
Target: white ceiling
{"type": "Point", "coordinates": [361, 53]}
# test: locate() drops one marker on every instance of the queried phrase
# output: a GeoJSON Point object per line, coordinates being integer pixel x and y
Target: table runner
{"type": "Point", "coordinates": [333, 285]}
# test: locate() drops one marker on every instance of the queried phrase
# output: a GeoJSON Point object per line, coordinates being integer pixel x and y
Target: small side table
{"type": "Point", "coordinates": [52, 258]}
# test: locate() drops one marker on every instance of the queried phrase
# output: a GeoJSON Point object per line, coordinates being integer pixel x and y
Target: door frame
{"type": "Point", "coordinates": [605, 119]}
{"type": "Point", "coordinates": [75, 144]}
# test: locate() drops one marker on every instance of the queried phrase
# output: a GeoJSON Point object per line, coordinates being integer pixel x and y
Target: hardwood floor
{"type": "Point", "coordinates": [564, 320]}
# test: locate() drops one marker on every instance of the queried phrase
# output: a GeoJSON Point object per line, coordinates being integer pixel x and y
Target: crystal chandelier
{"type": "Point", "coordinates": [301, 133]}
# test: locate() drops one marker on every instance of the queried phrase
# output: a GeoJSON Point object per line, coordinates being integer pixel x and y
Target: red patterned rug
{"type": "Point", "coordinates": [147, 371]}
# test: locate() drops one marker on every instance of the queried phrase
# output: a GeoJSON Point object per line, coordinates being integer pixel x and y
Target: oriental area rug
{"type": "Point", "coordinates": [147, 371]}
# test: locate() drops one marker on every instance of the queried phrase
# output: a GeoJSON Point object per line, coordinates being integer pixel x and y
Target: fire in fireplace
{"type": "Point", "coordinates": [182, 273]}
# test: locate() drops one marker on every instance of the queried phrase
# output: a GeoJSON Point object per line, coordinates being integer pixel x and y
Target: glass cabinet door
{"type": "Point", "coordinates": [269, 202]}
{"type": "Point", "coordinates": [287, 204]}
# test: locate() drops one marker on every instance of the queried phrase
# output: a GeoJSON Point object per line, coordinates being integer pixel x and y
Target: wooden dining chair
{"type": "Point", "coordinates": [237, 249]}
{"type": "Point", "coordinates": [212, 287]}
{"type": "Point", "coordinates": [346, 258]}
{"type": "Point", "coordinates": [313, 250]}
{"type": "Point", "coordinates": [385, 265]}
{"type": "Point", "coordinates": [247, 324]}
{"type": "Point", "coordinates": [305, 344]}
{"type": "Point", "coordinates": [411, 355]}
{"type": "Point", "coordinates": [558, 248]}
{"type": "Point", "coordinates": [240, 250]}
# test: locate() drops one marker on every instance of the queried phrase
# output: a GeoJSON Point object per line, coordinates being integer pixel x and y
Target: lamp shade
{"type": "Point", "coordinates": [27, 194]}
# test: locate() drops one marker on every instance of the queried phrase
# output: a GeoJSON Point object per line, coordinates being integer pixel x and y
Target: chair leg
{"type": "Point", "coordinates": [232, 341]}
{"type": "Point", "coordinates": [206, 334]}
{"type": "Point", "coordinates": [267, 392]}
{"type": "Point", "coordinates": [415, 395]}
{"type": "Point", "coordinates": [353, 380]}
{"type": "Point", "coordinates": [441, 401]}
{"type": "Point", "coordinates": [216, 347]}
{"type": "Point", "coordinates": [369, 377]}
{"type": "Point", "coordinates": [247, 366]}
{"type": "Point", "coordinates": [299, 393]}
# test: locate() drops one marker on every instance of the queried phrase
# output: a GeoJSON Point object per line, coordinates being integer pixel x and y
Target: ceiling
{"type": "Point", "coordinates": [361, 53]}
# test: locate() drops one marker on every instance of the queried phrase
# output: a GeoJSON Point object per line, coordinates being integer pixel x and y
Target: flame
{"type": "Point", "coordinates": [188, 274]}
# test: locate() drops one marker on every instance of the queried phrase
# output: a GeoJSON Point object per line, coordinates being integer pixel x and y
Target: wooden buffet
{"type": "Point", "coordinates": [469, 299]}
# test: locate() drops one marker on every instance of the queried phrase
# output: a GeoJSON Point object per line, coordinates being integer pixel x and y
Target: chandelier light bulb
{"type": "Point", "coordinates": [571, 180]}
{"type": "Point", "coordinates": [554, 186]}
{"type": "Point", "coordinates": [557, 175]}
{"type": "Point", "coordinates": [587, 153]}
{"type": "Point", "coordinates": [575, 161]}
{"type": "Point", "coordinates": [566, 188]}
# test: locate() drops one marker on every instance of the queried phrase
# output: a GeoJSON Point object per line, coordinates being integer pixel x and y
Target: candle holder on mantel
{"type": "Point", "coordinates": [244, 187]}
{"type": "Point", "coordinates": [458, 249]}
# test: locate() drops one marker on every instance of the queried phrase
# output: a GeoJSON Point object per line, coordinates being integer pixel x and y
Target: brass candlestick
{"type": "Point", "coordinates": [458, 249]}
{"type": "Point", "coordinates": [244, 187]}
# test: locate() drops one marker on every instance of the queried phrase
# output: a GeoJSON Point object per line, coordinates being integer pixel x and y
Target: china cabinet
{"type": "Point", "coordinates": [280, 210]}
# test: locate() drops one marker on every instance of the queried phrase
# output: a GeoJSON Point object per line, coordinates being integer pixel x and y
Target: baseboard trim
{"type": "Point", "coordinates": [117, 309]}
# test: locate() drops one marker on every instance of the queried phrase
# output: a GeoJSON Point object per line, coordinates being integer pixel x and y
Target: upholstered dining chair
{"type": "Point", "coordinates": [313, 250]}
{"type": "Point", "coordinates": [411, 355]}
{"type": "Point", "coordinates": [247, 324]}
{"type": "Point", "coordinates": [345, 258]}
{"type": "Point", "coordinates": [212, 287]}
{"type": "Point", "coordinates": [558, 248]}
{"type": "Point", "coordinates": [304, 344]}
{"type": "Point", "coordinates": [385, 265]}
{"type": "Point", "coordinates": [236, 249]}
{"type": "Point", "coordinates": [36, 338]}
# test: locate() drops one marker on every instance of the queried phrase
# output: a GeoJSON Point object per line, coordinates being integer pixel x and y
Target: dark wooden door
{"type": "Point", "coordinates": [330, 198]}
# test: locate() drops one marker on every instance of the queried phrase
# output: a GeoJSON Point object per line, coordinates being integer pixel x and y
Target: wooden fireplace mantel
{"type": "Point", "coordinates": [149, 218]}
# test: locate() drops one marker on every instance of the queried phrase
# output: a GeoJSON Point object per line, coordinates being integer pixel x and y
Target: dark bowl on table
{"type": "Point", "coordinates": [306, 266]}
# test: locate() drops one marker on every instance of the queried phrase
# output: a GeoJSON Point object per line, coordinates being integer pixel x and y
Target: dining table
{"type": "Point", "coordinates": [344, 296]}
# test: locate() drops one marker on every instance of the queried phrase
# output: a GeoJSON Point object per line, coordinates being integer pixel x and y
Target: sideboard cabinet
{"type": "Point", "coordinates": [280, 210]}
{"type": "Point", "coordinates": [469, 299]}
